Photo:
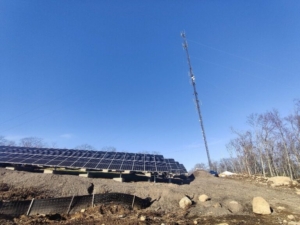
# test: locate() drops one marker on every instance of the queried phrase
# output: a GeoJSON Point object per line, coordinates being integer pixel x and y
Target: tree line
{"type": "Point", "coordinates": [270, 146]}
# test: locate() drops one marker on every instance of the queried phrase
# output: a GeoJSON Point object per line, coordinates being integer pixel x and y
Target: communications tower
{"type": "Point", "coordinates": [185, 46]}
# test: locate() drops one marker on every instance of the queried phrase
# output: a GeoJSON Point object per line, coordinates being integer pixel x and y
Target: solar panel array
{"type": "Point", "coordinates": [96, 160]}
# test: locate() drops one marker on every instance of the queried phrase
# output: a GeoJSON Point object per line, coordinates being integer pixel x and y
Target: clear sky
{"type": "Point", "coordinates": [114, 73]}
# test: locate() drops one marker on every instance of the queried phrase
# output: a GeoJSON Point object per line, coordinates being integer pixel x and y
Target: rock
{"type": "Point", "coordinates": [195, 222]}
{"type": "Point", "coordinates": [143, 218]}
{"type": "Point", "coordinates": [291, 217]}
{"type": "Point", "coordinates": [222, 224]}
{"type": "Point", "coordinates": [279, 181]}
{"type": "Point", "coordinates": [280, 208]}
{"type": "Point", "coordinates": [260, 206]}
{"type": "Point", "coordinates": [185, 203]}
{"type": "Point", "coordinates": [235, 207]}
{"type": "Point", "coordinates": [82, 210]}
{"type": "Point", "coordinates": [203, 198]}
{"type": "Point", "coordinates": [217, 205]}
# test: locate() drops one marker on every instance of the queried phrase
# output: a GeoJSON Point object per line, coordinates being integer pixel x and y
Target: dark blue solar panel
{"type": "Point", "coordinates": [129, 156]}
{"type": "Point", "coordinates": [102, 166]}
{"type": "Point", "coordinates": [127, 166]}
{"type": "Point", "coordinates": [120, 156]}
{"type": "Point", "coordinates": [30, 160]}
{"type": "Point", "coordinates": [94, 160]}
{"type": "Point", "coordinates": [15, 160]}
{"type": "Point", "coordinates": [139, 157]}
{"type": "Point", "coordinates": [4, 159]}
{"type": "Point", "coordinates": [89, 159]}
{"type": "Point", "coordinates": [66, 163]}
{"type": "Point", "coordinates": [78, 164]}
{"type": "Point", "coordinates": [53, 163]}
{"type": "Point", "coordinates": [91, 165]}
{"type": "Point", "coordinates": [41, 161]}
{"type": "Point", "coordinates": [173, 166]}
{"type": "Point", "coordinates": [150, 166]}
{"type": "Point", "coordinates": [109, 155]}
{"type": "Point", "coordinates": [106, 161]}
{"type": "Point", "coordinates": [138, 166]}
{"type": "Point", "coordinates": [114, 167]}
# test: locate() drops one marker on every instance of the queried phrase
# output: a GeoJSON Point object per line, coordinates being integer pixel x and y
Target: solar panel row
{"type": "Point", "coordinates": [97, 160]}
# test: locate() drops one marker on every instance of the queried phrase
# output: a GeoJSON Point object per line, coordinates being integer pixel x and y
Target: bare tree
{"type": "Point", "coordinates": [281, 129]}
{"type": "Point", "coordinates": [32, 142]}
{"type": "Point", "coordinates": [5, 142]}
{"type": "Point", "coordinates": [109, 149]}
{"type": "Point", "coordinates": [85, 147]}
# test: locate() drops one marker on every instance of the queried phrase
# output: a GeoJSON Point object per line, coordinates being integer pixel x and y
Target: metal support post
{"type": "Point", "coordinates": [29, 208]}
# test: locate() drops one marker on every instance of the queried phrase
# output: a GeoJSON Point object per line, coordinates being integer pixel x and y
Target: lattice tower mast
{"type": "Point", "coordinates": [185, 46]}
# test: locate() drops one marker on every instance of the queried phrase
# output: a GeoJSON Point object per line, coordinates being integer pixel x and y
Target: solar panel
{"type": "Point", "coordinates": [89, 159]}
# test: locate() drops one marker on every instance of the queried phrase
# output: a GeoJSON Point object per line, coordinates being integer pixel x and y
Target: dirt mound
{"type": "Point", "coordinates": [13, 193]}
{"type": "Point", "coordinates": [202, 173]}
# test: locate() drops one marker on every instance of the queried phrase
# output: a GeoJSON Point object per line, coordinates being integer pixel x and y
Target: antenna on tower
{"type": "Point", "coordinates": [185, 46]}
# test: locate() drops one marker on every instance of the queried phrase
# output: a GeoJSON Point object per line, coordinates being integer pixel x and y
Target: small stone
{"type": "Point", "coordinates": [222, 224]}
{"type": "Point", "coordinates": [291, 217]}
{"type": "Point", "coordinates": [284, 221]}
{"type": "Point", "coordinates": [185, 203]}
{"type": "Point", "coordinates": [203, 198]}
{"type": "Point", "coordinates": [217, 205]}
{"type": "Point", "coordinates": [143, 218]}
{"type": "Point", "coordinates": [280, 208]}
{"type": "Point", "coordinates": [82, 210]}
{"type": "Point", "coordinates": [235, 207]}
{"type": "Point", "coordinates": [121, 216]}
{"type": "Point", "coordinates": [195, 222]}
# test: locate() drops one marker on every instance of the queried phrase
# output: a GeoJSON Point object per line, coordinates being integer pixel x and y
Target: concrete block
{"type": "Point", "coordinates": [84, 175]}
{"type": "Point", "coordinates": [49, 171]}
{"type": "Point", "coordinates": [10, 168]}
{"type": "Point", "coordinates": [148, 174]}
{"type": "Point", "coordinates": [119, 179]}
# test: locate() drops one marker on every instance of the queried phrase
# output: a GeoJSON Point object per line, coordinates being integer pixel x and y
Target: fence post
{"type": "Point", "coordinates": [70, 205]}
{"type": "Point", "coordinates": [29, 208]}
{"type": "Point", "coordinates": [93, 200]}
{"type": "Point", "coordinates": [133, 201]}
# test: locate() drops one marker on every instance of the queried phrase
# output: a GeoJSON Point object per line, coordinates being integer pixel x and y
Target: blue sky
{"type": "Point", "coordinates": [114, 73]}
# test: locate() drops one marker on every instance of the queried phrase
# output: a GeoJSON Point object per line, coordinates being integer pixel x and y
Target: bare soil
{"type": "Point", "coordinates": [20, 185]}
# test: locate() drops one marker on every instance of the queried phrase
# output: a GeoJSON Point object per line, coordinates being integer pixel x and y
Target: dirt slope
{"type": "Point", "coordinates": [166, 209]}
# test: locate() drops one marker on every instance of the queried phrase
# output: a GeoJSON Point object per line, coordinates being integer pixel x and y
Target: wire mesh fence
{"type": "Point", "coordinates": [70, 204]}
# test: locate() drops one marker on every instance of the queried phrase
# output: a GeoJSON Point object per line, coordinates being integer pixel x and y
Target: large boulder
{"type": "Point", "coordinates": [185, 203]}
{"type": "Point", "coordinates": [261, 206]}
